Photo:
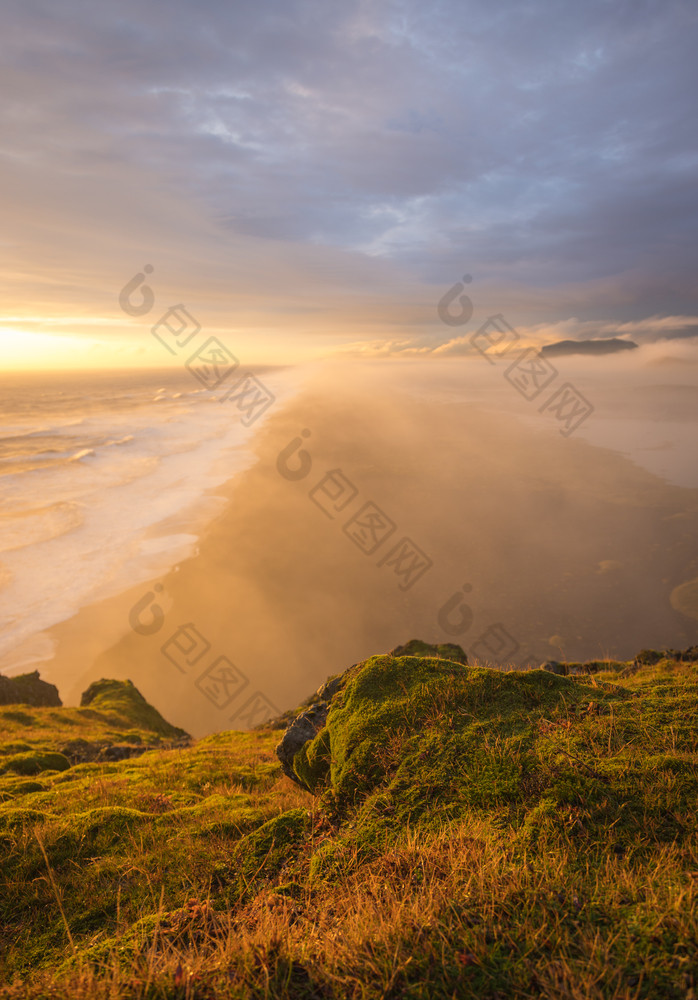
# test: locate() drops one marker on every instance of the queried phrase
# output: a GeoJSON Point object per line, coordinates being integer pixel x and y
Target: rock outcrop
{"type": "Point", "coordinates": [123, 700]}
{"type": "Point", "coordinates": [417, 735]}
{"type": "Point", "coordinates": [555, 667]}
{"type": "Point", "coordinates": [28, 689]}
{"type": "Point", "coordinates": [307, 723]}
{"type": "Point", "coordinates": [645, 658]}
{"type": "Point", "coordinates": [652, 656]}
{"type": "Point", "coordinates": [444, 651]}
{"type": "Point", "coordinates": [346, 736]}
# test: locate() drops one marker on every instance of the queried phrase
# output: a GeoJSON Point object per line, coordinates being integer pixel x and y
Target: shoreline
{"type": "Point", "coordinates": [180, 502]}
{"type": "Point", "coordinates": [280, 595]}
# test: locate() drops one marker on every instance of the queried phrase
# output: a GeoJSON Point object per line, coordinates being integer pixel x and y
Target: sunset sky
{"type": "Point", "coordinates": [310, 177]}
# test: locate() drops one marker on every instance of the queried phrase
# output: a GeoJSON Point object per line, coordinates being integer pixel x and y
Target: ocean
{"type": "Point", "coordinates": [104, 479]}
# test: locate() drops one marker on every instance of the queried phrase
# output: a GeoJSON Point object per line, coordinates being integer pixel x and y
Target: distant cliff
{"type": "Point", "coordinates": [611, 346]}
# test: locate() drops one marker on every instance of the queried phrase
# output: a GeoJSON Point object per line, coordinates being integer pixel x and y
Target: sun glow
{"type": "Point", "coordinates": [23, 350]}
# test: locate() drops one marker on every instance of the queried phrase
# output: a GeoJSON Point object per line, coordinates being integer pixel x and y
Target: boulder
{"type": "Point", "coordinates": [444, 651]}
{"type": "Point", "coordinates": [648, 657]}
{"type": "Point", "coordinates": [304, 725]}
{"type": "Point", "coordinates": [555, 667]}
{"type": "Point", "coordinates": [304, 728]}
{"type": "Point", "coordinates": [417, 735]}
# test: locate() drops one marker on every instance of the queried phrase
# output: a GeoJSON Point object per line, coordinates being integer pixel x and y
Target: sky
{"type": "Point", "coordinates": [309, 178]}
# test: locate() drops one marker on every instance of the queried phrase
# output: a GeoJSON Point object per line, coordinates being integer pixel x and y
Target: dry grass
{"type": "Point", "coordinates": [568, 899]}
{"type": "Point", "coordinates": [457, 913]}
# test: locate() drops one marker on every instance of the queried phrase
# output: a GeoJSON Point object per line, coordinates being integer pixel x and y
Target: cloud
{"type": "Point", "coordinates": [325, 154]}
{"type": "Point", "coordinates": [653, 329]}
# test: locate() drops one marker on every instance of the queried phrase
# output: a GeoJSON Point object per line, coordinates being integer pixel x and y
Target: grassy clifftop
{"type": "Point", "coordinates": [462, 832]}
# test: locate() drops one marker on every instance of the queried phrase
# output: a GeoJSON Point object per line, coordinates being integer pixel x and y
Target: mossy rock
{"type": "Point", "coordinates": [433, 735]}
{"type": "Point", "coordinates": [335, 682]}
{"type": "Point", "coordinates": [555, 667]}
{"type": "Point", "coordinates": [123, 701]}
{"type": "Point", "coordinates": [312, 763]}
{"type": "Point", "coordinates": [34, 762]}
{"type": "Point", "coordinates": [444, 651]}
{"type": "Point", "coordinates": [648, 657]}
{"type": "Point", "coordinates": [588, 667]}
{"type": "Point", "coordinates": [28, 689]}
{"type": "Point", "coordinates": [79, 750]}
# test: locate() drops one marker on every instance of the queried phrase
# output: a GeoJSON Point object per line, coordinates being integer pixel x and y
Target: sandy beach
{"type": "Point", "coordinates": [523, 546]}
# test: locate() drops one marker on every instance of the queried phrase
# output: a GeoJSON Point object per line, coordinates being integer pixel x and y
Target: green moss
{"type": "Point", "coordinates": [338, 858]}
{"type": "Point", "coordinates": [11, 748]}
{"type": "Point", "coordinates": [34, 762]}
{"type": "Point", "coordinates": [232, 824]}
{"type": "Point", "coordinates": [123, 701]}
{"type": "Point", "coordinates": [544, 782]}
{"type": "Point", "coordinates": [11, 818]}
{"type": "Point", "coordinates": [10, 715]}
{"type": "Point", "coordinates": [21, 787]}
{"type": "Point", "coordinates": [312, 762]}
{"type": "Point", "coordinates": [416, 721]}
{"type": "Point", "coordinates": [108, 820]}
{"type": "Point", "coordinates": [266, 850]}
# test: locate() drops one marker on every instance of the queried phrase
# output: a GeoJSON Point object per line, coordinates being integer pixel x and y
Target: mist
{"type": "Point", "coordinates": [527, 544]}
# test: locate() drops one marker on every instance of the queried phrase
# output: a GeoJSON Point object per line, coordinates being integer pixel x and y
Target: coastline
{"type": "Point", "coordinates": [133, 514]}
{"type": "Point", "coordinates": [281, 590]}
